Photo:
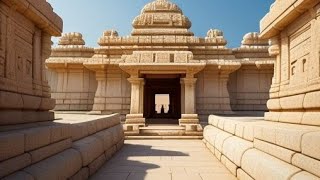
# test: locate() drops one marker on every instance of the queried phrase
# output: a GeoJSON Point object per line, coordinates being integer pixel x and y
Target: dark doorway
{"type": "Point", "coordinates": [162, 100]}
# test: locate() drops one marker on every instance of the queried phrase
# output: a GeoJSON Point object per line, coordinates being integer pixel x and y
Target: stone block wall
{"type": "Point", "coordinates": [73, 90]}
{"type": "Point", "coordinates": [294, 95]}
{"type": "Point", "coordinates": [252, 148]}
{"type": "Point", "coordinates": [113, 92]}
{"type": "Point", "coordinates": [74, 147]}
{"type": "Point", "coordinates": [249, 88]}
{"type": "Point", "coordinates": [26, 28]}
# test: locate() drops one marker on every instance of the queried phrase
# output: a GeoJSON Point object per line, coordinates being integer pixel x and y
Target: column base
{"type": "Point", "coordinates": [191, 123]}
{"type": "Point", "coordinates": [133, 123]}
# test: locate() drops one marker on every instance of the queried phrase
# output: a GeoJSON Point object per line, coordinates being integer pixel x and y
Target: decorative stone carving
{"type": "Point", "coordinates": [274, 48]}
{"type": "Point", "coordinates": [111, 33]}
{"type": "Point", "coordinates": [253, 39]}
{"type": "Point", "coordinates": [162, 46]}
{"type": "Point", "coordinates": [161, 17]}
{"type": "Point", "coordinates": [71, 39]}
{"type": "Point", "coordinates": [71, 44]}
{"type": "Point", "coordinates": [216, 36]}
{"type": "Point", "coordinates": [25, 42]}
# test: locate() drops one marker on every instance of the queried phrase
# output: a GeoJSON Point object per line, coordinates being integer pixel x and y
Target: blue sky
{"type": "Point", "coordinates": [91, 17]}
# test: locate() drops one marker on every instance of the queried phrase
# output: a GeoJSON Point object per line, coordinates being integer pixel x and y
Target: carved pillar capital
{"type": "Point", "coordinates": [136, 81]}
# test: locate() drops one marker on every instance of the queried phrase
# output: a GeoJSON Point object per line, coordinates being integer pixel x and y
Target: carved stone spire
{"type": "Point", "coordinates": [161, 17]}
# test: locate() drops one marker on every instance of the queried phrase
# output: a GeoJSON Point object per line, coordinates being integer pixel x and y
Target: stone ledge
{"type": "Point", "coordinates": [260, 165]}
{"type": "Point", "coordinates": [60, 166]}
{"type": "Point", "coordinates": [52, 156]}
{"type": "Point", "coordinates": [275, 150]}
{"type": "Point", "coordinates": [282, 134]}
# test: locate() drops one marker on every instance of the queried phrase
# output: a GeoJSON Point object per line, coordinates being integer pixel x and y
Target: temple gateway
{"type": "Point", "coordinates": [161, 73]}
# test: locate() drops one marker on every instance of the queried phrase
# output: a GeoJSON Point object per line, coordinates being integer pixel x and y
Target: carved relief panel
{"type": "Point", "coordinates": [300, 43]}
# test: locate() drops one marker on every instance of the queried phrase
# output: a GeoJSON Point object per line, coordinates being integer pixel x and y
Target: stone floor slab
{"type": "Point", "coordinates": [163, 160]}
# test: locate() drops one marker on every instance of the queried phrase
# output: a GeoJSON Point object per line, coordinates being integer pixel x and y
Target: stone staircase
{"type": "Point", "coordinates": [164, 131]}
{"type": "Point", "coordinates": [74, 147]}
{"type": "Point", "coordinates": [252, 148]}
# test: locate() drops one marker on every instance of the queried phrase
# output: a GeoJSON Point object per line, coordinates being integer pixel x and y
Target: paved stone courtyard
{"type": "Point", "coordinates": [163, 160]}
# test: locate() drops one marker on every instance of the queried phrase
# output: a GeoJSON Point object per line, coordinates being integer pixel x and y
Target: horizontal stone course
{"type": "Point", "coordinates": [19, 175]}
{"type": "Point", "coordinates": [303, 175]}
{"type": "Point", "coordinates": [52, 154]}
{"type": "Point", "coordinates": [274, 150]}
{"type": "Point", "coordinates": [263, 166]}
{"type": "Point", "coordinates": [9, 149]}
{"type": "Point", "coordinates": [90, 148]}
{"type": "Point", "coordinates": [60, 166]}
{"type": "Point", "coordinates": [14, 164]}
{"type": "Point", "coordinates": [47, 151]}
{"type": "Point", "coordinates": [306, 163]}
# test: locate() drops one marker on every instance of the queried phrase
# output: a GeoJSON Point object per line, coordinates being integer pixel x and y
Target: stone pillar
{"type": "Point", "coordinates": [141, 97]}
{"type": "Point", "coordinates": [182, 96]}
{"type": "Point", "coordinates": [189, 92]}
{"type": "Point", "coordinates": [135, 119]}
{"type": "Point", "coordinates": [100, 96]}
{"type": "Point", "coordinates": [224, 93]}
{"type": "Point", "coordinates": [189, 119]}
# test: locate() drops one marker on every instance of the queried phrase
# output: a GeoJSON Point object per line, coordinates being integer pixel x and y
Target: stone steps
{"type": "Point", "coordinates": [163, 137]}
{"type": "Point", "coordinates": [252, 148]}
{"type": "Point", "coordinates": [163, 132]}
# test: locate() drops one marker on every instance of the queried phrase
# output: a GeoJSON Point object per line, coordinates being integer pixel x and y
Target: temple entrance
{"type": "Point", "coordinates": [162, 100]}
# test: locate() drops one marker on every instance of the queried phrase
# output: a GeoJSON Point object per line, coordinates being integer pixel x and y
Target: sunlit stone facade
{"type": "Point", "coordinates": [161, 56]}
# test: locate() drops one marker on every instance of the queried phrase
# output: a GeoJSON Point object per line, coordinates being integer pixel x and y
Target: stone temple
{"type": "Point", "coordinates": [135, 107]}
{"type": "Point", "coordinates": [200, 75]}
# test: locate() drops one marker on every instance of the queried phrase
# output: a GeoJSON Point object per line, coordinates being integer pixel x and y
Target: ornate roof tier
{"type": "Point", "coordinates": [161, 17]}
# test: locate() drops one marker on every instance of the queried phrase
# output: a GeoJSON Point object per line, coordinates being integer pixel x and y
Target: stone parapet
{"type": "Point", "coordinates": [252, 148]}
{"type": "Point", "coordinates": [73, 147]}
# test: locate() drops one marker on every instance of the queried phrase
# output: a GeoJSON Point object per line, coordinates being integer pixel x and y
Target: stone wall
{"type": "Point", "coordinates": [73, 89]}
{"type": "Point", "coordinates": [72, 148]}
{"type": "Point", "coordinates": [113, 92]}
{"type": "Point", "coordinates": [252, 148]}
{"type": "Point", "coordinates": [25, 35]}
{"type": "Point", "coordinates": [249, 88]}
{"type": "Point", "coordinates": [295, 43]}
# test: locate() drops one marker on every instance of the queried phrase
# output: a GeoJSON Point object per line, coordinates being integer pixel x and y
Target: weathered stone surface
{"type": "Point", "coordinates": [83, 174]}
{"type": "Point", "coordinates": [36, 137]}
{"type": "Point", "coordinates": [19, 175]}
{"type": "Point", "coordinates": [234, 148]}
{"type": "Point", "coordinates": [220, 139]}
{"type": "Point", "coordinates": [310, 144]}
{"type": "Point", "coordinates": [306, 163]}
{"type": "Point", "coordinates": [229, 165]}
{"type": "Point", "coordinates": [90, 148]}
{"type": "Point", "coordinates": [274, 150]}
{"type": "Point", "coordinates": [304, 176]}
{"type": "Point", "coordinates": [47, 151]}
{"type": "Point", "coordinates": [96, 164]}
{"type": "Point", "coordinates": [14, 164]}
{"type": "Point", "coordinates": [11, 145]}
{"type": "Point", "coordinates": [59, 166]}
{"type": "Point", "coordinates": [285, 135]}
{"type": "Point", "coordinates": [260, 165]}
{"type": "Point", "coordinates": [60, 132]}
{"type": "Point", "coordinates": [106, 137]}
{"type": "Point", "coordinates": [241, 175]}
